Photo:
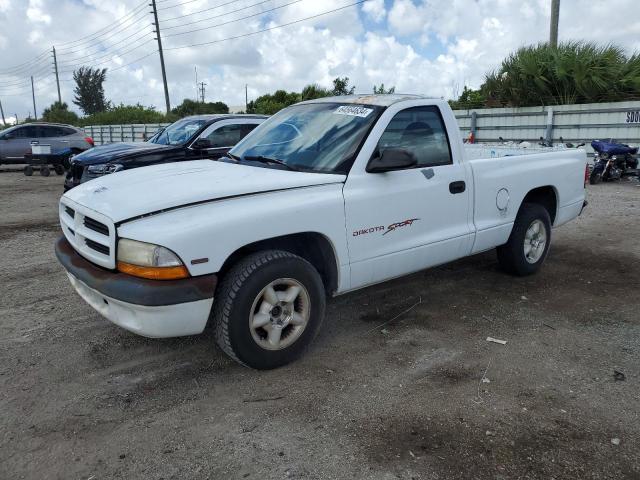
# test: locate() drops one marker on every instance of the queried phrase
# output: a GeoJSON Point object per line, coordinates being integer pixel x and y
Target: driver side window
{"type": "Point", "coordinates": [420, 131]}
{"type": "Point", "coordinates": [226, 136]}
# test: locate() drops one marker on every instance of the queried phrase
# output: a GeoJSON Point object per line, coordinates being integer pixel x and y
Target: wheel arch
{"type": "Point", "coordinates": [314, 247]}
{"type": "Point", "coordinates": [546, 196]}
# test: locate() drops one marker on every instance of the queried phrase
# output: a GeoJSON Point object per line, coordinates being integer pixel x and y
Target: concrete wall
{"type": "Point", "coordinates": [574, 123]}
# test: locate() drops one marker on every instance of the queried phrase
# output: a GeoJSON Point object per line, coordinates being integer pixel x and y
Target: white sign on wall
{"type": "Point", "coordinates": [633, 117]}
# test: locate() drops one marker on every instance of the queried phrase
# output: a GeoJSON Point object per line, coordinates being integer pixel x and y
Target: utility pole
{"type": "Point", "coordinates": [4, 122]}
{"type": "Point", "coordinates": [55, 68]}
{"type": "Point", "coordinates": [33, 95]}
{"type": "Point", "coordinates": [553, 29]}
{"type": "Point", "coordinates": [197, 90]}
{"type": "Point", "coordinates": [202, 85]}
{"type": "Point", "coordinates": [246, 98]}
{"type": "Point", "coordinates": [164, 73]}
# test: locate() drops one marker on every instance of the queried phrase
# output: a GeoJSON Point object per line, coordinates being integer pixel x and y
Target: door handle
{"type": "Point", "coordinates": [34, 142]}
{"type": "Point", "coordinates": [457, 187]}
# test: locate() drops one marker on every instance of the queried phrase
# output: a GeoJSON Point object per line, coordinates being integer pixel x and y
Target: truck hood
{"type": "Point", "coordinates": [118, 151]}
{"type": "Point", "coordinates": [133, 193]}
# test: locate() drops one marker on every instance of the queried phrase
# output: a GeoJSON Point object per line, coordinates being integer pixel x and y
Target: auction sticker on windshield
{"type": "Point", "coordinates": [354, 111]}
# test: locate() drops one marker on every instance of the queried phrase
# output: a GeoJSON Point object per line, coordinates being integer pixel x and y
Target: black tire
{"type": "Point", "coordinates": [28, 170]}
{"type": "Point", "coordinates": [511, 255]}
{"type": "Point", "coordinates": [237, 293]}
{"type": "Point", "coordinates": [44, 171]}
{"type": "Point", "coordinates": [595, 178]}
{"type": "Point", "coordinates": [59, 169]}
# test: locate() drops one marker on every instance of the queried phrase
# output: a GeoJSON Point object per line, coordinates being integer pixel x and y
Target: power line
{"type": "Point", "coordinates": [93, 63]}
{"type": "Point", "coordinates": [92, 58]}
{"type": "Point", "coordinates": [97, 32]}
{"type": "Point", "coordinates": [184, 24]}
{"type": "Point", "coordinates": [111, 33]}
{"type": "Point", "coordinates": [25, 65]}
{"type": "Point", "coordinates": [84, 49]}
{"type": "Point", "coordinates": [200, 11]}
{"type": "Point", "coordinates": [176, 5]}
{"type": "Point", "coordinates": [234, 21]}
{"type": "Point", "coordinates": [268, 29]}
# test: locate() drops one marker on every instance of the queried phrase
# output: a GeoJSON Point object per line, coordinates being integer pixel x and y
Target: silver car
{"type": "Point", "coordinates": [16, 142]}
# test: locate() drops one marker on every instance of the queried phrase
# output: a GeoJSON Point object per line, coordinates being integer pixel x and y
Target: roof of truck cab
{"type": "Point", "coordinates": [383, 100]}
{"type": "Point", "coordinates": [225, 116]}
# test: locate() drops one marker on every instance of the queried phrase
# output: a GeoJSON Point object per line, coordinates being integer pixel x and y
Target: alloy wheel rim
{"type": "Point", "coordinates": [279, 314]}
{"type": "Point", "coordinates": [535, 241]}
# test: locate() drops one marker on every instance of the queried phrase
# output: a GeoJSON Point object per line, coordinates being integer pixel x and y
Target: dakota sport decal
{"type": "Point", "coordinates": [405, 223]}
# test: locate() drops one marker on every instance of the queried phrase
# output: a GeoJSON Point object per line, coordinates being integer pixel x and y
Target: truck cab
{"type": "Point", "coordinates": [325, 197]}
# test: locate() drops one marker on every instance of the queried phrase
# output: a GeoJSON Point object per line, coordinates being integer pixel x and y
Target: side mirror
{"type": "Point", "coordinates": [7, 136]}
{"type": "Point", "coordinates": [392, 159]}
{"type": "Point", "coordinates": [202, 144]}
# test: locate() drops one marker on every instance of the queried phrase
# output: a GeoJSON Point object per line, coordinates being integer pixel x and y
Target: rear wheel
{"type": "Point", "coordinates": [268, 309]}
{"type": "Point", "coordinates": [44, 171]}
{"type": "Point", "coordinates": [28, 170]}
{"type": "Point", "coordinates": [59, 169]}
{"type": "Point", "coordinates": [595, 178]}
{"type": "Point", "coordinates": [528, 244]}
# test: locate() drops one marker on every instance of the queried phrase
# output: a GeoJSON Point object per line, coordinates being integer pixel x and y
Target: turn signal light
{"type": "Point", "coordinates": [154, 273]}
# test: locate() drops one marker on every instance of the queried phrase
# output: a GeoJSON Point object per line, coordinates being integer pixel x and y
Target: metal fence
{"type": "Point", "coordinates": [574, 123]}
{"type": "Point", "coordinates": [103, 134]}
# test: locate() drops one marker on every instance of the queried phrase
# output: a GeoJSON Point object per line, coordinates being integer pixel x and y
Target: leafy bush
{"type": "Point", "coordinates": [59, 113]}
{"type": "Point", "coordinates": [574, 72]}
{"type": "Point", "coordinates": [190, 107]}
{"type": "Point", "coordinates": [126, 114]}
{"type": "Point", "coordinates": [271, 103]}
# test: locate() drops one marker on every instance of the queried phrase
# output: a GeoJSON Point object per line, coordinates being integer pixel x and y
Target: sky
{"type": "Point", "coordinates": [430, 47]}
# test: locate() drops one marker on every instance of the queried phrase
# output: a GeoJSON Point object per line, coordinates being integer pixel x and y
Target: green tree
{"type": "Point", "coordinates": [191, 107]}
{"type": "Point", "coordinates": [341, 86]}
{"type": "Point", "coordinates": [573, 72]}
{"type": "Point", "coordinates": [89, 90]}
{"type": "Point", "coordinates": [271, 103]}
{"type": "Point", "coordinates": [469, 98]}
{"type": "Point", "coordinates": [59, 113]}
{"type": "Point", "coordinates": [381, 90]}
{"type": "Point", "coordinates": [315, 91]}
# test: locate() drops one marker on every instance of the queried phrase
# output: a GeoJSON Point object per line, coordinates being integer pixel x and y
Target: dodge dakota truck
{"type": "Point", "coordinates": [325, 197]}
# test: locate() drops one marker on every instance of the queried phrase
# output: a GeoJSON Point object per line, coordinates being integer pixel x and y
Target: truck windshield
{"type": "Point", "coordinates": [316, 137]}
{"type": "Point", "coordinates": [178, 132]}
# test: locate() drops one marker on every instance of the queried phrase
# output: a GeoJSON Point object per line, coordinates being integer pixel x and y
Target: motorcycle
{"type": "Point", "coordinates": [612, 160]}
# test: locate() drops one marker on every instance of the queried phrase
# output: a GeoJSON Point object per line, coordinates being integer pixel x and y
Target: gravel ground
{"type": "Point", "coordinates": [382, 394]}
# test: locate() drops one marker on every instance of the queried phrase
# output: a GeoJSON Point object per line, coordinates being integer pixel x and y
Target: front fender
{"type": "Point", "coordinates": [205, 235]}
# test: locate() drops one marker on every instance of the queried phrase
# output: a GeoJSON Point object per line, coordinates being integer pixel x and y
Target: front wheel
{"type": "Point", "coordinates": [528, 244]}
{"type": "Point", "coordinates": [268, 309]}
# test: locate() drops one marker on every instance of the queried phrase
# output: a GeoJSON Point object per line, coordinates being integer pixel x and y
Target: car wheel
{"type": "Point", "coordinates": [28, 170]}
{"type": "Point", "coordinates": [59, 169]}
{"type": "Point", "coordinates": [595, 178]}
{"type": "Point", "coordinates": [268, 309]}
{"type": "Point", "coordinates": [44, 171]}
{"type": "Point", "coordinates": [528, 244]}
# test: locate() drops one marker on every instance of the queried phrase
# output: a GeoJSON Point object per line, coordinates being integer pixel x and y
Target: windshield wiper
{"type": "Point", "coordinates": [232, 156]}
{"type": "Point", "coordinates": [263, 159]}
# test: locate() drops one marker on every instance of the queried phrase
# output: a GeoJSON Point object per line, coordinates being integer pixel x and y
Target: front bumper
{"type": "Point", "coordinates": [152, 308]}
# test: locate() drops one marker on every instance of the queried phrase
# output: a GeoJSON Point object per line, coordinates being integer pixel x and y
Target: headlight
{"type": "Point", "coordinates": [104, 168]}
{"type": "Point", "coordinates": [147, 260]}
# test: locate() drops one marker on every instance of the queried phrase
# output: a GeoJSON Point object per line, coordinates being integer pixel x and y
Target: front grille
{"type": "Point", "coordinates": [98, 247]}
{"type": "Point", "coordinates": [77, 170]}
{"type": "Point", "coordinates": [96, 226]}
{"type": "Point", "coordinates": [70, 211]}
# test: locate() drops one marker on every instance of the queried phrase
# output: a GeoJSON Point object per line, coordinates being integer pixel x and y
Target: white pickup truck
{"type": "Point", "coordinates": [325, 197]}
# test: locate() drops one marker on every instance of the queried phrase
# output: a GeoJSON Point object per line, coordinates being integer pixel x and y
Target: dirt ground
{"type": "Point", "coordinates": [382, 394]}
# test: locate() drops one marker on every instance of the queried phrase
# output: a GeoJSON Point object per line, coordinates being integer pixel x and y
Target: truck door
{"type": "Point", "coordinates": [409, 219]}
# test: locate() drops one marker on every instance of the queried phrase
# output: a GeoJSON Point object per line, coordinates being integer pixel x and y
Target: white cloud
{"type": "Point", "coordinates": [432, 46]}
{"type": "Point", "coordinates": [36, 14]}
{"type": "Point", "coordinates": [375, 9]}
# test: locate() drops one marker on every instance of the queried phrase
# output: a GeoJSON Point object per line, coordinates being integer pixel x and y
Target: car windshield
{"type": "Point", "coordinates": [315, 137]}
{"type": "Point", "coordinates": [178, 132]}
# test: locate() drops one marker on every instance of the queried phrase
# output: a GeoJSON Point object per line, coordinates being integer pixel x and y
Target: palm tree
{"type": "Point", "coordinates": [573, 72]}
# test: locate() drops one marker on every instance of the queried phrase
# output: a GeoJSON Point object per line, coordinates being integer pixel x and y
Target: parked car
{"type": "Point", "coordinates": [190, 138]}
{"type": "Point", "coordinates": [16, 142]}
{"type": "Point", "coordinates": [325, 197]}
